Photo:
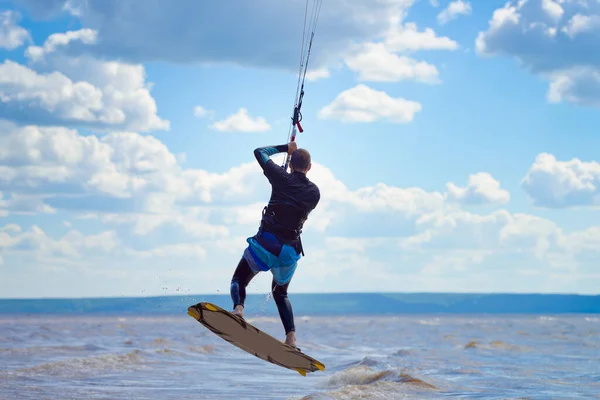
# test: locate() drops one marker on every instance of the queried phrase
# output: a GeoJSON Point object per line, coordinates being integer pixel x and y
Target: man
{"type": "Point", "coordinates": [277, 246]}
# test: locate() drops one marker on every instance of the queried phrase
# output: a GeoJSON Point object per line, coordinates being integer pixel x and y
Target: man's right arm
{"type": "Point", "coordinates": [263, 155]}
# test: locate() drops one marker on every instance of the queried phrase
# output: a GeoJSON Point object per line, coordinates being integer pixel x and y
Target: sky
{"type": "Point", "coordinates": [455, 144]}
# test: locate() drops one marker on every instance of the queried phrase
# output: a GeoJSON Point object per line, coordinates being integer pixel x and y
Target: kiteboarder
{"type": "Point", "coordinates": [277, 246]}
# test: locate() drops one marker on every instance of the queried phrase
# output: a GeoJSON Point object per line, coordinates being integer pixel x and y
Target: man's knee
{"type": "Point", "coordinates": [279, 292]}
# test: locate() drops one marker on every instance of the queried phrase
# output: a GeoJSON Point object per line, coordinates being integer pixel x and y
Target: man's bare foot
{"type": "Point", "coordinates": [239, 311]}
{"type": "Point", "coordinates": [290, 339]}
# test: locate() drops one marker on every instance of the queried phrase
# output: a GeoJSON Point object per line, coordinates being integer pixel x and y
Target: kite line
{"type": "Point", "coordinates": [306, 38]}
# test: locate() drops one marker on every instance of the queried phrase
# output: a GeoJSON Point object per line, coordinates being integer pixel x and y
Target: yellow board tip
{"type": "Point", "coordinates": [320, 366]}
{"type": "Point", "coordinates": [210, 307]}
{"type": "Point", "coordinates": [193, 313]}
{"type": "Point", "coordinates": [301, 371]}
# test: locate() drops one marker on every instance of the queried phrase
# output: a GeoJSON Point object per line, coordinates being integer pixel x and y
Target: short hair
{"type": "Point", "coordinates": [300, 159]}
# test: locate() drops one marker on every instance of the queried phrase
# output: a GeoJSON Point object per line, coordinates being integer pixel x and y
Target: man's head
{"type": "Point", "coordinates": [300, 161]}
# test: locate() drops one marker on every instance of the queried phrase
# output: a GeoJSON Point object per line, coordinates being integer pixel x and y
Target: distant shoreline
{"type": "Point", "coordinates": [319, 304]}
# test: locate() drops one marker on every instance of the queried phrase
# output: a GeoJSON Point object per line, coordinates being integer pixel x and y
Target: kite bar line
{"type": "Point", "coordinates": [297, 114]}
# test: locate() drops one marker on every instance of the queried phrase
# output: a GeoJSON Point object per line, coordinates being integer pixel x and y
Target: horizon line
{"type": "Point", "coordinates": [302, 294]}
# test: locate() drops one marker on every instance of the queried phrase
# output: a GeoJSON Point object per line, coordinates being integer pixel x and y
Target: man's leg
{"type": "Point", "coordinates": [285, 311]}
{"type": "Point", "coordinates": [241, 278]}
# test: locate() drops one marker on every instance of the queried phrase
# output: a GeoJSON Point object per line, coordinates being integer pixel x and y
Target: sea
{"type": "Point", "coordinates": [96, 356]}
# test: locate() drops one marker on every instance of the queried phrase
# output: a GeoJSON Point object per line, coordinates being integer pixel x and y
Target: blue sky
{"type": "Point", "coordinates": [455, 144]}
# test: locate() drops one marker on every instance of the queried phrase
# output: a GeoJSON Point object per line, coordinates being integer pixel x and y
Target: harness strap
{"type": "Point", "coordinates": [269, 224]}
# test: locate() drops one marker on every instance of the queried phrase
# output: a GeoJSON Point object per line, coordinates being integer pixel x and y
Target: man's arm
{"type": "Point", "coordinates": [263, 154]}
{"type": "Point", "coordinates": [271, 170]}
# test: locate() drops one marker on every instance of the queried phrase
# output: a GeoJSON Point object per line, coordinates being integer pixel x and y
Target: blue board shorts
{"type": "Point", "coordinates": [260, 259]}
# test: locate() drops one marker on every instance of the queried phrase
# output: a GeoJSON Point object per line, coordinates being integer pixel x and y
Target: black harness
{"type": "Point", "coordinates": [269, 223]}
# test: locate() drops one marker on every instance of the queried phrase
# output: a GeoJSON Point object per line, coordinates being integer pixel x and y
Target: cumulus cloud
{"type": "Point", "coordinates": [72, 244]}
{"type": "Point", "coordinates": [374, 62]}
{"type": "Point", "coordinates": [387, 60]}
{"type": "Point", "coordinates": [499, 232]}
{"type": "Point", "coordinates": [12, 35]}
{"type": "Point", "coordinates": [134, 179]}
{"type": "Point", "coordinates": [559, 184]}
{"type": "Point", "coordinates": [24, 204]}
{"type": "Point", "coordinates": [454, 10]}
{"type": "Point", "coordinates": [201, 219]}
{"type": "Point", "coordinates": [126, 177]}
{"type": "Point", "coordinates": [481, 188]}
{"type": "Point", "coordinates": [59, 161]}
{"type": "Point", "coordinates": [242, 121]}
{"type": "Point", "coordinates": [85, 92]}
{"type": "Point", "coordinates": [468, 251]}
{"type": "Point", "coordinates": [407, 38]}
{"type": "Point", "coordinates": [57, 40]}
{"type": "Point", "coordinates": [148, 36]}
{"type": "Point", "coordinates": [578, 85]}
{"type": "Point", "coordinates": [316, 74]}
{"type": "Point", "coordinates": [554, 39]}
{"type": "Point", "coordinates": [364, 104]}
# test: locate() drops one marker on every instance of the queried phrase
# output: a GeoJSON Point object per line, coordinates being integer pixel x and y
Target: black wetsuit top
{"type": "Point", "coordinates": [293, 197]}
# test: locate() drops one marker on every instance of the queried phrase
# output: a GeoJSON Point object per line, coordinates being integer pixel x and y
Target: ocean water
{"type": "Point", "coordinates": [367, 357]}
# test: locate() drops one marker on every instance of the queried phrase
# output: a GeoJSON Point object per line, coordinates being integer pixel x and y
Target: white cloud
{"type": "Point", "coordinates": [201, 112]}
{"type": "Point", "coordinates": [374, 62]}
{"type": "Point", "coordinates": [193, 250]}
{"type": "Point", "coordinates": [552, 9]}
{"type": "Point", "coordinates": [141, 37]}
{"type": "Point", "coordinates": [454, 10]}
{"type": "Point", "coordinates": [481, 188]}
{"type": "Point", "coordinates": [189, 221]}
{"type": "Point", "coordinates": [25, 204]}
{"type": "Point", "coordinates": [407, 38]}
{"type": "Point", "coordinates": [55, 99]}
{"type": "Point", "coordinates": [580, 24]}
{"type": "Point", "coordinates": [61, 164]}
{"type": "Point", "coordinates": [57, 40]}
{"type": "Point", "coordinates": [149, 36]}
{"type": "Point", "coordinates": [316, 74]}
{"type": "Point", "coordinates": [498, 233]}
{"type": "Point", "coordinates": [73, 244]}
{"type": "Point", "coordinates": [578, 85]}
{"type": "Point", "coordinates": [125, 173]}
{"type": "Point", "coordinates": [188, 225]}
{"type": "Point", "coordinates": [553, 183]}
{"type": "Point", "coordinates": [464, 252]}
{"type": "Point", "coordinates": [364, 104]}
{"type": "Point", "coordinates": [564, 34]}
{"type": "Point", "coordinates": [385, 60]}
{"type": "Point", "coordinates": [12, 35]}
{"type": "Point", "coordinates": [242, 122]}
{"type": "Point", "coordinates": [58, 88]}
{"type": "Point", "coordinates": [135, 180]}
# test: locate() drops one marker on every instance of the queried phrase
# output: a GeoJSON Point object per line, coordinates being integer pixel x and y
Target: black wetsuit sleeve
{"type": "Point", "coordinates": [271, 170]}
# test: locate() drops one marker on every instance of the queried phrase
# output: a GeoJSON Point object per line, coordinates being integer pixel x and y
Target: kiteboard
{"type": "Point", "coordinates": [247, 337]}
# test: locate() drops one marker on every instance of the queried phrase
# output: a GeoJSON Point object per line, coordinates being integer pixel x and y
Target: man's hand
{"type": "Point", "coordinates": [292, 146]}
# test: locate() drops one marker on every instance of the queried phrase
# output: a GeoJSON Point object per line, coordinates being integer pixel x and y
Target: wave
{"type": "Point", "coordinates": [206, 349]}
{"type": "Point", "coordinates": [494, 344]}
{"type": "Point", "coordinates": [62, 349]}
{"type": "Point", "coordinates": [364, 382]}
{"type": "Point", "coordinates": [86, 365]}
{"type": "Point", "coordinates": [433, 321]}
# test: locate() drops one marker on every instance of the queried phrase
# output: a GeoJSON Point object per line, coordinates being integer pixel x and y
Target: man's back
{"type": "Point", "coordinates": [292, 199]}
